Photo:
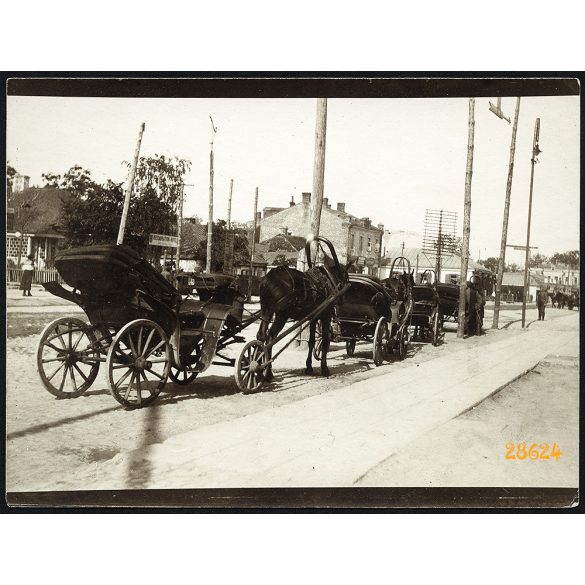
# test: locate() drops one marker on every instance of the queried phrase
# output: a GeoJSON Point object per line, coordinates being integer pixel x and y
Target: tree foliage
{"type": "Point", "coordinates": [537, 260]}
{"type": "Point", "coordinates": [491, 263]}
{"type": "Point", "coordinates": [10, 173]}
{"type": "Point", "coordinates": [241, 247]}
{"type": "Point", "coordinates": [570, 258]}
{"type": "Point", "coordinates": [93, 214]}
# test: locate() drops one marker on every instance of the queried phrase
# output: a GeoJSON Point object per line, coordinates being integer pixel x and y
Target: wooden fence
{"type": "Point", "coordinates": [40, 276]}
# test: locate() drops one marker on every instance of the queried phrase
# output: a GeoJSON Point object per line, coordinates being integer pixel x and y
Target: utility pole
{"type": "Point", "coordinates": [229, 214]}
{"type": "Point", "coordinates": [179, 229]}
{"type": "Point", "coordinates": [319, 166]}
{"type": "Point", "coordinates": [253, 246]}
{"type": "Point", "coordinates": [129, 187]}
{"type": "Point", "coordinates": [535, 152]}
{"type": "Point", "coordinates": [502, 258]}
{"type": "Point", "coordinates": [210, 215]}
{"type": "Point", "coordinates": [466, 220]}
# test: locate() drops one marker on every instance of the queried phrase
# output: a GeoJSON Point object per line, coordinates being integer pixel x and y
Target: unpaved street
{"type": "Point", "coordinates": [48, 439]}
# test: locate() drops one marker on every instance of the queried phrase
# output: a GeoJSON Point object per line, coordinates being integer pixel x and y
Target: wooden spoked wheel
{"type": "Point", "coordinates": [380, 341]}
{"type": "Point", "coordinates": [138, 363]}
{"type": "Point", "coordinates": [350, 347]}
{"type": "Point", "coordinates": [402, 345]}
{"type": "Point", "coordinates": [435, 326]}
{"type": "Point", "coordinates": [318, 349]}
{"type": "Point", "coordinates": [250, 367]}
{"type": "Point", "coordinates": [184, 377]}
{"type": "Point", "coordinates": [68, 357]}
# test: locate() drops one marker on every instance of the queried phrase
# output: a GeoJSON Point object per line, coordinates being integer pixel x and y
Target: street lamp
{"type": "Point", "coordinates": [535, 152]}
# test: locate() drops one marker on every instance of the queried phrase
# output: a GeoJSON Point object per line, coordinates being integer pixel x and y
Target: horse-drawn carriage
{"type": "Point", "coordinates": [306, 298]}
{"type": "Point", "coordinates": [139, 326]}
{"type": "Point", "coordinates": [376, 312]}
{"type": "Point", "coordinates": [426, 315]}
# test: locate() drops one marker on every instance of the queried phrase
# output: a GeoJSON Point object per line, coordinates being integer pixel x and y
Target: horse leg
{"type": "Point", "coordinates": [326, 340]}
{"type": "Point", "coordinates": [279, 323]}
{"type": "Point", "coordinates": [309, 362]}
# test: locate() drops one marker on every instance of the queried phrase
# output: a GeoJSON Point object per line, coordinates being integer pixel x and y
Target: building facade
{"type": "Point", "coordinates": [355, 240]}
{"type": "Point", "coordinates": [559, 275]}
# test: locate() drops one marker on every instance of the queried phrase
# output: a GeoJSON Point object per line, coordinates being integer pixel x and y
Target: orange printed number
{"type": "Point", "coordinates": [521, 451]}
{"type": "Point", "coordinates": [533, 451]}
{"type": "Point", "coordinates": [556, 451]}
{"type": "Point", "coordinates": [510, 451]}
{"type": "Point", "coordinates": [544, 449]}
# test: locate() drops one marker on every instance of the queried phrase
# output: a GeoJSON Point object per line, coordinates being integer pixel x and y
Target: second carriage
{"type": "Point", "coordinates": [376, 312]}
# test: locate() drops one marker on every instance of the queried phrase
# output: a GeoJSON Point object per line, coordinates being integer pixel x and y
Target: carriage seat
{"type": "Point", "coordinates": [190, 307]}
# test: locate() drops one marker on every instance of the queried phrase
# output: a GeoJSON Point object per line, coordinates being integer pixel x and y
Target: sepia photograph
{"type": "Point", "coordinates": [292, 292]}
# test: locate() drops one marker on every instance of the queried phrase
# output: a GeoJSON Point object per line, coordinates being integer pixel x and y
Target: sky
{"type": "Point", "coordinates": [387, 159]}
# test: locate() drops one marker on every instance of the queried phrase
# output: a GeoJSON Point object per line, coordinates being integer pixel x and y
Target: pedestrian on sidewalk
{"type": "Point", "coordinates": [28, 267]}
{"type": "Point", "coordinates": [541, 301]}
{"type": "Point", "coordinates": [475, 302]}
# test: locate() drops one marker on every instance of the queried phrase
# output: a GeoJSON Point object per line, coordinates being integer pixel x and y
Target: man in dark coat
{"type": "Point", "coordinates": [541, 301]}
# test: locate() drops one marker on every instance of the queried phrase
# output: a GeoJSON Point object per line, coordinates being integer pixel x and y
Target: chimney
{"type": "Point", "coordinates": [325, 201]}
{"type": "Point", "coordinates": [284, 230]}
{"type": "Point", "coordinates": [341, 207]}
{"type": "Point", "coordinates": [292, 201]}
{"type": "Point", "coordinates": [306, 198]}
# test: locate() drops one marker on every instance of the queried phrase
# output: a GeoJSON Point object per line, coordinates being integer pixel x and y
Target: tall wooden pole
{"type": "Point", "coordinates": [179, 228]}
{"type": "Point", "coordinates": [502, 258]}
{"type": "Point", "coordinates": [466, 220]}
{"type": "Point", "coordinates": [210, 215]}
{"type": "Point", "coordinates": [319, 166]}
{"type": "Point", "coordinates": [253, 245]}
{"type": "Point", "coordinates": [129, 187]}
{"type": "Point", "coordinates": [229, 213]}
{"type": "Point", "coordinates": [535, 153]}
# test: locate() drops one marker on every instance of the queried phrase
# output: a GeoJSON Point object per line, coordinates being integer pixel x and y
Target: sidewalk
{"type": "Point", "coordinates": [332, 439]}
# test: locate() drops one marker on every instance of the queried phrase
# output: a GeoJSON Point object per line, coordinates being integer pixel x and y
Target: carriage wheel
{"type": "Point", "coordinates": [435, 322]}
{"type": "Point", "coordinates": [380, 340]}
{"type": "Point", "coordinates": [350, 347]}
{"type": "Point", "coordinates": [68, 357]}
{"type": "Point", "coordinates": [318, 349]}
{"type": "Point", "coordinates": [138, 363]}
{"type": "Point", "coordinates": [250, 367]}
{"type": "Point", "coordinates": [402, 344]}
{"type": "Point", "coordinates": [184, 377]}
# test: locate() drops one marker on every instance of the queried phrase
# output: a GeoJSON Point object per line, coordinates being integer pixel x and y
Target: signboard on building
{"type": "Point", "coordinates": [361, 261]}
{"type": "Point", "coordinates": [163, 240]}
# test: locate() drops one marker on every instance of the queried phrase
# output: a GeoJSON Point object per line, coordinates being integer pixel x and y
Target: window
{"type": "Point", "coordinates": [361, 244]}
{"type": "Point", "coordinates": [352, 245]}
{"type": "Point", "coordinates": [575, 280]}
{"type": "Point", "coordinates": [369, 244]}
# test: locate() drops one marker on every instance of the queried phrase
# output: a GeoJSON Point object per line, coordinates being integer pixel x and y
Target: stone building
{"type": "Point", "coordinates": [559, 275]}
{"type": "Point", "coordinates": [356, 240]}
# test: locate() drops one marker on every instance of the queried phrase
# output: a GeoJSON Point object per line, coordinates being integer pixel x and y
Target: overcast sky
{"type": "Point", "coordinates": [389, 159]}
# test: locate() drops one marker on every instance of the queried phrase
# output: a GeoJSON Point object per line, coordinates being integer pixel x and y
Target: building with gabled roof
{"type": "Point", "coordinates": [33, 224]}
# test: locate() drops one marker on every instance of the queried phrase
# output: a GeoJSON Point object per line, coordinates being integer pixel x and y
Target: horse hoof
{"type": "Point", "coordinates": [269, 376]}
{"type": "Point", "coordinates": [309, 371]}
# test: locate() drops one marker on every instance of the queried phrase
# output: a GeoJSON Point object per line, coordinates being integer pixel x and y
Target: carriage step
{"type": "Point", "coordinates": [231, 362]}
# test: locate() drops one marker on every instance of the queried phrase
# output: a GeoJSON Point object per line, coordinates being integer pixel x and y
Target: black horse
{"type": "Point", "coordinates": [287, 293]}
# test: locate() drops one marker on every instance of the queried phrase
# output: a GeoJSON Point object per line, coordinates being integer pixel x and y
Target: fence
{"type": "Point", "coordinates": [40, 276]}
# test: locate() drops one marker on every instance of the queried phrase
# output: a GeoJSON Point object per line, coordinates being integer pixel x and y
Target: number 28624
{"type": "Point", "coordinates": [535, 451]}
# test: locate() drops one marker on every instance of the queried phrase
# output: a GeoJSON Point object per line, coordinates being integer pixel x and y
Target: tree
{"type": "Point", "coordinates": [491, 263]}
{"type": "Point", "coordinates": [10, 173]}
{"type": "Point", "coordinates": [241, 247]}
{"type": "Point", "coordinates": [513, 267]}
{"type": "Point", "coordinates": [50, 180]}
{"type": "Point", "coordinates": [537, 261]}
{"type": "Point", "coordinates": [92, 216]}
{"type": "Point", "coordinates": [282, 260]}
{"type": "Point", "coordinates": [570, 258]}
